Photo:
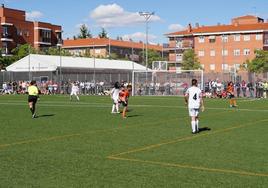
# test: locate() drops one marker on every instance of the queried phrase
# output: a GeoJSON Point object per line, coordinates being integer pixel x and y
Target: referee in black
{"type": "Point", "coordinates": [33, 96]}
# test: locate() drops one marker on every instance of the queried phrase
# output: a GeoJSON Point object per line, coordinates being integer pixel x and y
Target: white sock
{"type": "Point", "coordinates": [117, 107]}
{"type": "Point", "coordinates": [193, 126]}
{"type": "Point", "coordinates": [77, 97]}
{"type": "Point", "coordinates": [113, 107]}
{"type": "Point", "coordinates": [197, 124]}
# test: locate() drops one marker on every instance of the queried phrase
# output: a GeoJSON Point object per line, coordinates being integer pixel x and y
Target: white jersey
{"type": "Point", "coordinates": [75, 88]}
{"type": "Point", "coordinates": [115, 94]}
{"type": "Point", "coordinates": [194, 97]}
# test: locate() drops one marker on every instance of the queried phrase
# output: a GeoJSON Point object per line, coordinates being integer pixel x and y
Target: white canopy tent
{"type": "Point", "coordinates": [49, 63]}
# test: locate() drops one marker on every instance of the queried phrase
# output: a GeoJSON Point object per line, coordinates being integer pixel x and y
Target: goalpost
{"type": "Point", "coordinates": [163, 82]}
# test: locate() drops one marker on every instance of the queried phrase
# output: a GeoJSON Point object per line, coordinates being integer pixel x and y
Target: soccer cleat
{"type": "Point", "coordinates": [194, 132]}
{"type": "Point", "coordinates": [34, 116]}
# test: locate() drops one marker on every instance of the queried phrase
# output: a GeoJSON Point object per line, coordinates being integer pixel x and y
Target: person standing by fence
{"type": "Point", "coordinates": [244, 88]}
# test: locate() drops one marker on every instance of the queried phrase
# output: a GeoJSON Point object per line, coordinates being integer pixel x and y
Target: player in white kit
{"type": "Point", "coordinates": [194, 100]}
{"type": "Point", "coordinates": [115, 98]}
{"type": "Point", "coordinates": [74, 91]}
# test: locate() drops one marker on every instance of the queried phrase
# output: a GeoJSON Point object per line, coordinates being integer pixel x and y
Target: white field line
{"type": "Point", "coordinates": [105, 105]}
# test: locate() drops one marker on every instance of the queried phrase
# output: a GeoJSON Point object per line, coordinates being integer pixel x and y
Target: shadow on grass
{"type": "Point", "coordinates": [45, 115]}
{"type": "Point", "coordinates": [204, 129]}
{"type": "Point", "coordinates": [136, 115]}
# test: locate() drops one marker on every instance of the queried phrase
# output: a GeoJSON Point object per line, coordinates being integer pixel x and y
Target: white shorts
{"type": "Point", "coordinates": [115, 100]}
{"type": "Point", "coordinates": [193, 112]}
{"type": "Point", "coordinates": [73, 93]}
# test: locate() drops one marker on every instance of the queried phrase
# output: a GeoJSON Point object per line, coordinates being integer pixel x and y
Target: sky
{"type": "Point", "coordinates": [121, 18]}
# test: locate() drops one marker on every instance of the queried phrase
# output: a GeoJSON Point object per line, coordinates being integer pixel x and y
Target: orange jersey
{"type": "Point", "coordinates": [230, 89]}
{"type": "Point", "coordinates": [124, 95]}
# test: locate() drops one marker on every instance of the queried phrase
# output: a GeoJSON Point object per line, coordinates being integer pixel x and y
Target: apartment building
{"type": "Point", "coordinates": [104, 47]}
{"type": "Point", "coordinates": [16, 30]}
{"type": "Point", "coordinates": [220, 48]}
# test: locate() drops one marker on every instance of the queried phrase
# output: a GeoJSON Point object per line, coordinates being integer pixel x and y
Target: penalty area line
{"type": "Point", "coordinates": [185, 166]}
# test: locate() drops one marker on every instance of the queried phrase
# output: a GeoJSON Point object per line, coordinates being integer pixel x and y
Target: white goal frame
{"type": "Point", "coordinates": [166, 71]}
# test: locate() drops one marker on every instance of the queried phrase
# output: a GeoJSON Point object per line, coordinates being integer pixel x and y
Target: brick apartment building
{"type": "Point", "coordinates": [16, 30]}
{"type": "Point", "coordinates": [221, 47]}
{"type": "Point", "coordinates": [104, 47]}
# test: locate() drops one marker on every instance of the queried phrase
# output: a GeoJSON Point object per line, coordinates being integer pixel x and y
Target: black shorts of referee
{"type": "Point", "coordinates": [32, 98]}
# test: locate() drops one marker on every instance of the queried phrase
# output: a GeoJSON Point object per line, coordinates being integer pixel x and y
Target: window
{"type": "Point", "coordinates": [4, 48]}
{"type": "Point", "coordinates": [224, 52]}
{"type": "Point", "coordinates": [45, 36]}
{"type": "Point", "coordinates": [179, 57]}
{"type": "Point", "coordinates": [179, 43]}
{"type": "Point", "coordinates": [212, 39]}
{"type": "Point", "coordinates": [246, 51]}
{"type": "Point", "coordinates": [97, 51]}
{"type": "Point", "coordinates": [5, 31]}
{"type": "Point", "coordinates": [259, 37]}
{"type": "Point", "coordinates": [224, 38]}
{"type": "Point", "coordinates": [237, 66]}
{"type": "Point", "coordinates": [212, 53]}
{"type": "Point", "coordinates": [201, 53]}
{"type": "Point", "coordinates": [212, 67]}
{"type": "Point", "coordinates": [246, 37]}
{"type": "Point", "coordinates": [201, 39]}
{"type": "Point", "coordinates": [237, 52]}
{"type": "Point", "coordinates": [236, 37]}
{"type": "Point", "coordinates": [19, 32]}
{"type": "Point", "coordinates": [224, 66]}
{"type": "Point", "coordinates": [203, 66]}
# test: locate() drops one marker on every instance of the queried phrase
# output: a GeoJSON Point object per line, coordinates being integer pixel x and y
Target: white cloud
{"type": "Point", "coordinates": [175, 27]}
{"type": "Point", "coordinates": [139, 36]}
{"type": "Point", "coordinates": [113, 15]}
{"type": "Point", "coordinates": [34, 15]}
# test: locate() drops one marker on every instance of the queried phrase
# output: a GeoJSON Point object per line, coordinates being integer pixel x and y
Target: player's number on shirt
{"type": "Point", "coordinates": [195, 96]}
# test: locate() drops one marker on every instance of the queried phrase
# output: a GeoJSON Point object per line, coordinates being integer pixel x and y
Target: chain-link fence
{"type": "Point", "coordinates": [164, 82]}
{"type": "Point", "coordinates": [144, 83]}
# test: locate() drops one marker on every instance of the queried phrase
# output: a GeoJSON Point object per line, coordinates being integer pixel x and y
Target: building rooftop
{"type": "Point", "coordinates": [70, 43]}
{"type": "Point", "coordinates": [234, 27]}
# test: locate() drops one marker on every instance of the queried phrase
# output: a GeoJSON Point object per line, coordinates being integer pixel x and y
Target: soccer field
{"type": "Point", "coordinates": [81, 144]}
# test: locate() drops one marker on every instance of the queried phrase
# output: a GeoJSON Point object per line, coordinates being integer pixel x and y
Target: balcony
{"type": "Point", "coordinates": [6, 37]}
{"type": "Point", "coordinates": [185, 45]}
{"type": "Point", "coordinates": [181, 45]}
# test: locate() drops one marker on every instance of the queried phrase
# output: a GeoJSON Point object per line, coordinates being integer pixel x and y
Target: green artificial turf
{"type": "Point", "coordinates": [81, 144]}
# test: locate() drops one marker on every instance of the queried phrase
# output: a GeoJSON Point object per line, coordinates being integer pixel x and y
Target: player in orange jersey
{"type": "Point", "coordinates": [230, 93]}
{"type": "Point", "coordinates": [124, 95]}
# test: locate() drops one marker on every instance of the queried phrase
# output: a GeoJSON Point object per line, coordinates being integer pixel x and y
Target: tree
{"type": "Point", "coordinates": [23, 50]}
{"type": "Point", "coordinates": [103, 33]}
{"type": "Point", "coordinates": [190, 60]}
{"type": "Point", "coordinates": [84, 32]}
{"type": "Point", "coordinates": [153, 55]}
{"type": "Point", "coordinates": [260, 63]}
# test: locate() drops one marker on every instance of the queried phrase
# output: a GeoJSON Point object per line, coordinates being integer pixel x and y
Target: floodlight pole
{"type": "Point", "coordinates": [147, 16]}
{"type": "Point", "coordinates": [94, 62]}
{"type": "Point", "coordinates": [29, 62]}
{"type": "Point", "coordinates": [60, 80]}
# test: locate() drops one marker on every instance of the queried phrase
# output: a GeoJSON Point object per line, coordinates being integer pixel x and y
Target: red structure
{"type": "Point", "coordinates": [16, 30]}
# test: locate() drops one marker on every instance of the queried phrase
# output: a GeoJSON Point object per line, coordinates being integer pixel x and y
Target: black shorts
{"type": "Point", "coordinates": [231, 96]}
{"type": "Point", "coordinates": [32, 98]}
{"type": "Point", "coordinates": [124, 103]}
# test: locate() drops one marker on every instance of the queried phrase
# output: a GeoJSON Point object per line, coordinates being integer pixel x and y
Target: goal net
{"type": "Point", "coordinates": [165, 83]}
